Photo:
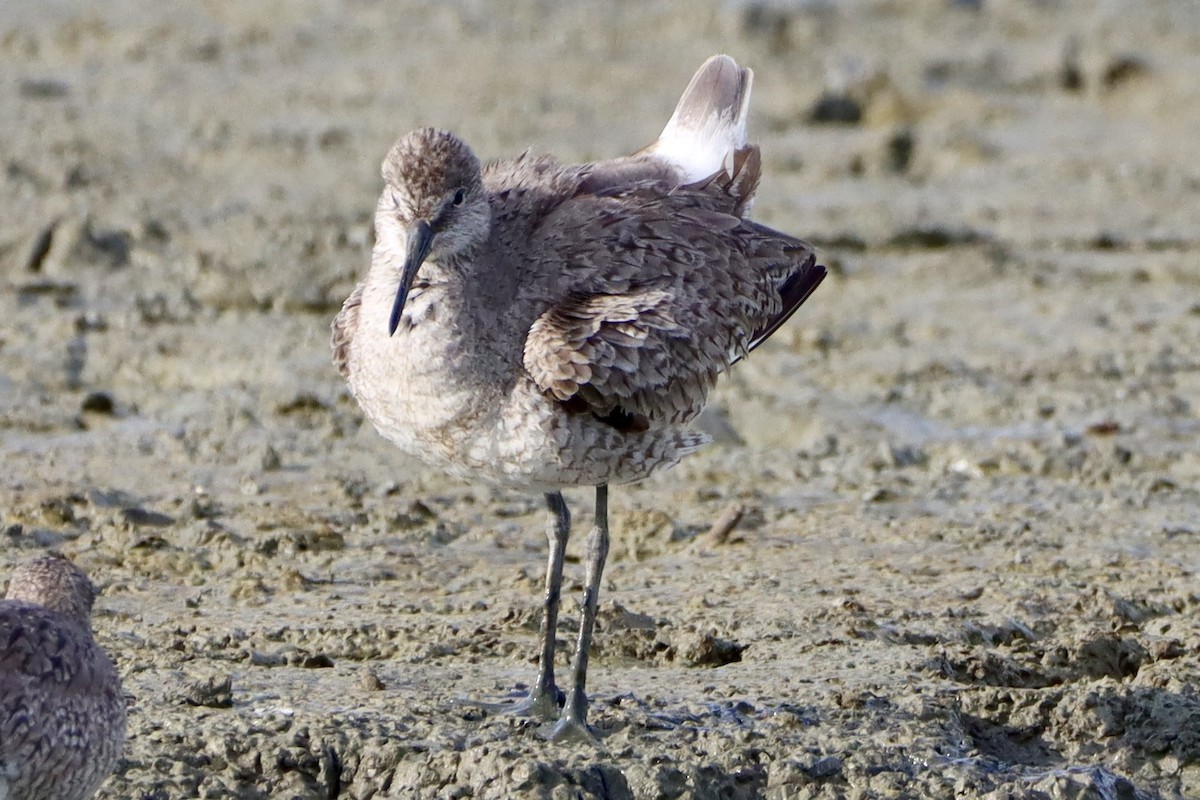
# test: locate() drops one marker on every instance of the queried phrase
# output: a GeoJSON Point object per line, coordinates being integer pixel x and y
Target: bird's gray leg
{"type": "Point", "coordinates": [544, 700]}
{"type": "Point", "coordinates": [573, 722]}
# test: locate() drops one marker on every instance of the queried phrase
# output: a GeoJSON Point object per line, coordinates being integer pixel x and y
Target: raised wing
{"type": "Point", "coordinates": [663, 289]}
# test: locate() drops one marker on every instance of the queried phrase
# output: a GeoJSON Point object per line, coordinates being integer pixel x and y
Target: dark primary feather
{"type": "Point", "coordinates": [802, 280]}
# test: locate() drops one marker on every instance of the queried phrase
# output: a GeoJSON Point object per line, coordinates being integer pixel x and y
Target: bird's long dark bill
{"type": "Point", "coordinates": [420, 237]}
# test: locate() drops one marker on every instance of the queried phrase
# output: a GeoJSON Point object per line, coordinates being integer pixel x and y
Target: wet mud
{"type": "Point", "coordinates": [943, 545]}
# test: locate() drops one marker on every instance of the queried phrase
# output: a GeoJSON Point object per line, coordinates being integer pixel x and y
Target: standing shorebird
{"type": "Point", "coordinates": [541, 325]}
{"type": "Point", "coordinates": [62, 712]}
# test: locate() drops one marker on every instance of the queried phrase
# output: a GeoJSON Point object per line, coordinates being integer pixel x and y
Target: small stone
{"type": "Point", "coordinates": [838, 109]}
{"type": "Point", "coordinates": [270, 459]}
{"type": "Point", "coordinates": [370, 681]}
{"type": "Point", "coordinates": [138, 517]}
{"type": "Point", "coordinates": [213, 691]}
{"type": "Point", "coordinates": [98, 403]}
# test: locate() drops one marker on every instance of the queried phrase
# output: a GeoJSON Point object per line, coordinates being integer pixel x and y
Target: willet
{"type": "Point", "coordinates": [62, 712]}
{"type": "Point", "coordinates": [541, 325]}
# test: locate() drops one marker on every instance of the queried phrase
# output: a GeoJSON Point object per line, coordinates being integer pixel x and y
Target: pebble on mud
{"type": "Point", "coordinates": [210, 691]}
{"type": "Point", "coordinates": [98, 403]}
{"type": "Point", "coordinates": [706, 650]}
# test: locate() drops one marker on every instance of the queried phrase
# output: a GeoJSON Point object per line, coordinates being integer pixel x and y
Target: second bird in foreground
{"type": "Point", "coordinates": [540, 325]}
{"type": "Point", "coordinates": [62, 711]}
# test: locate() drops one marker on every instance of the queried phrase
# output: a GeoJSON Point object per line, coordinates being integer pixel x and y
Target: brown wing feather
{"type": "Point", "coordinates": [664, 291]}
{"type": "Point", "coordinates": [343, 328]}
{"type": "Point", "coordinates": [618, 351]}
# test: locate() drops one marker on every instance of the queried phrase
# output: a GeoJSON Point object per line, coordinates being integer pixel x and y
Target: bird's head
{"type": "Point", "coordinates": [55, 584]}
{"type": "Point", "coordinates": [433, 207]}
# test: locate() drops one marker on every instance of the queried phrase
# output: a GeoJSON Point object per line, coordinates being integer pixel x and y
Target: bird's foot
{"type": "Point", "coordinates": [569, 730]}
{"type": "Point", "coordinates": [539, 703]}
{"type": "Point", "coordinates": [572, 727]}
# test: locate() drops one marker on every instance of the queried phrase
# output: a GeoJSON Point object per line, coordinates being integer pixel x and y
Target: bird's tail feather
{"type": "Point", "coordinates": [709, 123]}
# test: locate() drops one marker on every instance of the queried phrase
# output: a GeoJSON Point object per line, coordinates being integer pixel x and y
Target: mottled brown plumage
{"type": "Point", "coordinates": [540, 325]}
{"type": "Point", "coordinates": [62, 712]}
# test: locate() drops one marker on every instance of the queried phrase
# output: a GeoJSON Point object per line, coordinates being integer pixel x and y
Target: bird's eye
{"type": "Point", "coordinates": [459, 197]}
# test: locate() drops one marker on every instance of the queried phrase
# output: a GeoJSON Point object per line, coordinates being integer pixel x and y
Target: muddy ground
{"type": "Point", "coordinates": [967, 564]}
